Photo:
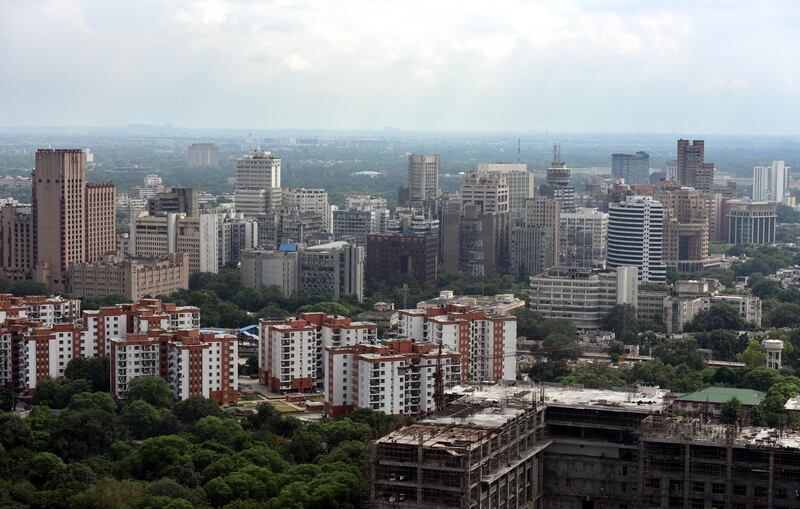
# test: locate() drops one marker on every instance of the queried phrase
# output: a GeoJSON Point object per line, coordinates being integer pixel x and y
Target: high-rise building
{"type": "Point", "coordinates": [81, 228]}
{"type": "Point", "coordinates": [691, 169]}
{"type": "Point", "coordinates": [474, 242]}
{"type": "Point", "coordinates": [686, 228]}
{"type": "Point", "coordinates": [355, 225]}
{"type": "Point", "coordinates": [158, 236]}
{"type": "Point", "coordinates": [749, 222]}
{"type": "Point", "coordinates": [258, 183]}
{"type": "Point", "coordinates": [488, 191]}
{"type": "Point", "coordinates": [521, 184]}
{"type": "Point", "coordinates": [423, 179]}
{"type": "Point", "coordinates": [333, 270]}
{"type": "Point", "coordinates": [535, 243]}
{"type": "Point", "coordinates": [394, 259]}
{"type": "Point", "coordinates": [302, 200]}
{"type": "Point", "coordinates": [203, 154]}
{"type": "Point", "coordinates": [770, 183]}
{"type": "Point", "coordinates": [633, 168]}
{"type": "Point", "coordinates": [16, 244]}
{"type": "Point", "coordinates": [178, 200]}
{"type": "Point", "coordinates": [266, 268]}
{"type": "Point", "coordinates": [558, 182]}
{"type": "Point", "coordinates": [235, 233]}
{"type": "Point", "coordinates": [583, 238]}
{"type": "Point", "coordinates": [635, 236]}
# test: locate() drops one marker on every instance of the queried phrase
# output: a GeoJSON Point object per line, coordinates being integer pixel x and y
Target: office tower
{"type": "Point", "coordinates": [281, 268]}
{"type": "Point", "coordinates": [333, 270]}
{"type": "Point", "coordinates": [159, 236]}
{"type": "Point", "coordinates": [770, 183]}
{"type": "Point", "coordinates": [72, 222]}
{"type": "Point", "coordinates": [535, 241]}
{"type": "Point", "coordinates": [203, 154]}
{"type": "Point", "coordinates": [635, 236]}
{"type": "Point", "coordinates": [16, 241]}
{"type": "Point", "coordinates": [355, 225]}
{"type": "Point", "coordinates": [423, 179]}
{"type": "Point", "coordinates": [394, 259]}
{"type": "Point", "coordinates": [258, 183]}
{"type": "Point", "coordinates": [474, 242]}
{"type": "Point", "coordinates": [178, 200]}
{"type": "Point", "coordinates": [521, 184]}
{"type": "Point", "coordinates": [672, 169]}
{"type": "Point", "coordinates": [691, 169]}
{"type": "Point", "coordinates": [581, 295]}
{"type": "Point", "coordinates": [558, 182]}
{"type": "Point", "coordinates": [235, 233]}
{"type": "Point", "coordinates": [686, 228]}
{"type": "Point", "coordinates": [750, 222]}
{"type": "Point", "coordinates": [633, 168]}
{"type": "Point", "coordinates": [298, 227]}
{"type": "Point", "coordinates": [583, 237]}
{"type": "Point", "coordinates": [302, 200]}
{"type": "Point", "coordinates": [488, 191]}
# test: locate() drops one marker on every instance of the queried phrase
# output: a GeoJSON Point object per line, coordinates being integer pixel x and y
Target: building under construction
{"type": "Point", "coordinates": [571, 448]}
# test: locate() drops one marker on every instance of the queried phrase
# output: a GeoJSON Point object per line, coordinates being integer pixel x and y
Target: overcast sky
{"type": "Point", "coordinates": [500, 65]}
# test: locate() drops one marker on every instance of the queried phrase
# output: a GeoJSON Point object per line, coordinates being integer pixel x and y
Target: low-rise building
{"type": "Point", "coordinates": [130, 277]}
{"type": "Point", "coordinates": [500, 304]}
{"type": "Point", "coordinates": [708, 402]}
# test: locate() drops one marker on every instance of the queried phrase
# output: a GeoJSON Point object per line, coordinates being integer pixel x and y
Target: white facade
{"type": "Point", "coordinates": [266, 268]}
{"type": "Point", "coordinates": [521, 183]}
{"type": "Point", "coordinates": [158, 236]}
{"type": "Point", "coordinates": [583, 238]}
{"type": "Point", "coordinates": [423, 178]}
{"type": "Point", "coordinates": [771, 183]}
{"type": "Point", "coordinates": [258, 182]}
{"type": "Point", "coordinates": [487, 190]}
{"type": "Point", "coordinates": [583, 296]}
{"type": "Point", "coordinates": [132, 359]}
{"type": "Point", "coordinates": [773, 349]}
{"type": "Point", "coordinates": [300, 200]}
{"type": "Point", "coordinates": [635, 234]}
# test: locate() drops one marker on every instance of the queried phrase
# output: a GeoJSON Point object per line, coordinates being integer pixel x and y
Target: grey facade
{"type": "Point", "coordinates": [634, 168]}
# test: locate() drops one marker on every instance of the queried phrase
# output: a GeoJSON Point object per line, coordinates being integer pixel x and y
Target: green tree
{"type": "Point", "coordinates": [615, 350]}
{"type": "Point", "coordinates": [7, 399]}
{"type": "Point", "coordinates": [560, 347]}
{"type": "Point", "coordinates": [58, 393]}
{"type": "Point", "coordinates": [141, 418]}
{"type": "Point", "coordinates": [195, 408]}
{"type": "Point", "coordinates": [97, 400]}
{"type": "Point", "coordinates": [680, 351]}
{"type": "Point", "coordinates": [622, 321]}
{"type": "Point", "coordinates": [94, 369]}
{"type": "Point", "coordinates": [718, 316]}
{"type": "Point", "coordinates": [44, 466]}
{"type": "Point", "coordinates": [331, 308]}
{"type": "Point", "coordinates": [548, 371]}
{"type": "Point", "coordinates": [730, 411]}
{"type": "Point", "coordinates": [151, 389]}
{"type": "Point", "coordinates": [753, 355]}
{"type": "Point", "coordinates": [785, 314]}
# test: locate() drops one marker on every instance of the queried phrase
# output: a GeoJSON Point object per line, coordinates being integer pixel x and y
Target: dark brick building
{"type": "Point", "coordinates": [395, 259]}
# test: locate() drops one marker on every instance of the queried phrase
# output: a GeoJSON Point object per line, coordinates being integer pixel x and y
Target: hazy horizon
{"type": "Point", "coordinates": [578, 67]}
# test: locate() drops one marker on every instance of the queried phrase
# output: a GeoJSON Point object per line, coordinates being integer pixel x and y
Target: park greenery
{"type": "Point", "coordinates": [81, 448]}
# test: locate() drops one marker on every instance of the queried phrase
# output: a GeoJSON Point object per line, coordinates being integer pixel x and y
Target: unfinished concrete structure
{"type": "Point", "coordinates": [572, 448]}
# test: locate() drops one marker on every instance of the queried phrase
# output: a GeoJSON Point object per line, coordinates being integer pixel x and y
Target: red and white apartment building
{"type": "Point", "coordinates": [397, 377]}
{"type": "Point", "coordinates": [486, 342]}
{"type": "Point", "coordinates": [39, 336]}
{"type": "Point", "coordinates": [290, 350]}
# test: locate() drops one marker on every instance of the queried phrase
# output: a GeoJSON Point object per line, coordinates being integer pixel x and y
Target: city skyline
{"type": "Point", "coordinates": [576, 67]}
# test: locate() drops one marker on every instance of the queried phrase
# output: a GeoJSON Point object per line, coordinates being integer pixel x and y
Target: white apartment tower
{"type": "Point", "coordinates": [635, 231]}
{"type": "Point", "coordinates": [423, 178]}
{"type": "Point", "coordinates": [583, 238]}
{"type": "Point", "coordinates": [258, 183]}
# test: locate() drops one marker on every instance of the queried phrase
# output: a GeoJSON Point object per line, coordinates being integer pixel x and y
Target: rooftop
{"type": "Point", "coordinates": [722, 394]}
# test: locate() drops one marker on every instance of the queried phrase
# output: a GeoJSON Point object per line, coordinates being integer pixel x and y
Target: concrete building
{"type": "Point", "coordinates": [521, 183]}
{"type": "Point", "coordinates": [707, 403]}
{"type": "Point", "coordinates": [474, 242]}
{"type": "Point", "coordinates": [61, 235]}
{"type": "Point", "coordinates": [423, 179]}
{"type": "Point", "coordinates": [291, 350]}
{"type": "Point", "coordinates": [158, 236]}
{"type": "Point", "coordinates": [235, 233]}
{"type": "Point", "coordinates": [635, 235]}
{"type": "Point", "coordinates": [16, 241]}
{"type": "Point", "coordinates": [558, 182]}
{"type": "Point", "coordinates": [686, 228]}
{"type": "Point", "coordinates": [265, 268]}
{"type": "Point", "coordinates": [258, 184]}
{"type": "Point", "coordinates": [202, 154]}
{"type": "Point", "coordinates": [129, 277]}
{"type": "Point", "coordinates": [487, 190]}
{"type": "Point", "coordinates": [632, 168]}
{"type": "Point", "coordinates": [583, 296]}
{"type": "Point", "coordinates": [773, 348]}
{"type": "Point", "coordinates": [397, 377]}
{"type": "Point", "coordinates": [334, 270]}
{"type": "Point", "coordinates": [486, 342]}
{"type": "Point", "coordinates": [691, 297]}
{"type": "Point", "coordinates": [535, 241]}
{"type": "Point", "coordinates": [771, 183]}
{"type": "Point", "coordinates": [393, 260]}
{"type": "Point", "coordinates": [750, 222]}
{"type": "Point", "coordinates": [362, 201]}
{"type": "Point", "coordinates": [300, 200]}
{"type": "Point", "coordinates": [356, 225]}
{"type": "Point", "coordinates": [691, 168]}
{"type": "Point", "coordinates": [193, 363]}
{"type": "Point", "coordinates": [583, 238]}
{"type": "Point", "coordinates": [178, 200]}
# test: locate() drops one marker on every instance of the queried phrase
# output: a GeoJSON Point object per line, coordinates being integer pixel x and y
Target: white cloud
{"type": "Point", "coordinates": [358, 63]}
